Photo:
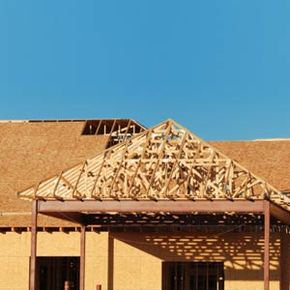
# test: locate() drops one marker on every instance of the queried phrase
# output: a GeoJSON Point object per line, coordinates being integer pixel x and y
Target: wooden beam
{"type": "Point", "coordinates": [127, 142]}
{"type": "Point", "coordinates": [266, 245]}
{"type": "Point", "coordinates": [174, 166]}
{"type": "Point", "coordinates": [108, 152]}
{"type": "Point", "coordinates": [127, 206]}
{"type": "Point", "coordinates": [110, 135]}
{"type": "Point", "coordinates": [82, 257]}
{"type": "Point", "coordinates": [147, 134]}
{"type": "Point", "coordinates": [56, 185]}
{"type": "Point", "coordinates": [98, 128]}
{"type": "Point", "coordinates": [160, 153]}
{"type": "Point", "coordinates": [280, 213]}
{"type": "Point", "coordinates": [79, 178]}
{"type": "Point", "coordinates": [33, 253]}
{"type": "Point", "coordinates": [74, 217]}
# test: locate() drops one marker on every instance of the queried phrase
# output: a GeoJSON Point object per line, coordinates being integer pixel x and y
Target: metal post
{"type": "Point", "coordinates": [32, 270]}
{"type": "Point", "coordinates": [266, 245]}
{"type": "Point", "coordinates": [110, 270]}
{"type": "Point", "coordinates": [284, 258]}
{"type": "Point", "coordinates": [82, 257]}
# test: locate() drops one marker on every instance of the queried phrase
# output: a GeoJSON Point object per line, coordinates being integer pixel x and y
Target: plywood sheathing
{"type": "Point", "coordinates": [34, 151]}
{"type": "Point", "coordinates": [267, 159]}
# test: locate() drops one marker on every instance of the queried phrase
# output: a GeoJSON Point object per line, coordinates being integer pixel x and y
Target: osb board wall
{"type": "Point", "coordinates": [14, 266]}
{"type": "Point", "coordinates": [133, 261]}
{"type": "Point", "coordinates": [137, 258]}
{"type": "Point", "coordinates": [31, 152]}
{"type": "Point", "coordinates": [267, 159]}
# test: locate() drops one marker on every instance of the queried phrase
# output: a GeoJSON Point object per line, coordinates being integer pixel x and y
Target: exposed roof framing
{"type": "Point", "coordinates": [166, 162]}
{"type": "Point", "coordinates": [105, 126]}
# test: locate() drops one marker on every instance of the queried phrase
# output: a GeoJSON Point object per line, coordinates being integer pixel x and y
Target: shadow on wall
{"type": "Point", "coordinates": [242, 254]}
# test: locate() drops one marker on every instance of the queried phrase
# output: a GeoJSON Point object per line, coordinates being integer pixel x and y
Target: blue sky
{"type": "Point", "coordinates": [221, 68]}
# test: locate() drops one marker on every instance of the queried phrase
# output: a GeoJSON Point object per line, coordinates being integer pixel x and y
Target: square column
{"type": "Point", "coordinates": [285, 261]}
{"type": "Point", "coordinates": [82, 257]}
{"type": "Point", "coordinates": [33, 253]}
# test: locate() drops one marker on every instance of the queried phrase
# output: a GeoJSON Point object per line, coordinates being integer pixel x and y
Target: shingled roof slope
{"type": "Point", "coordinates": [269, 159]}
{"type": "Point", "coordinates": [31, 151]}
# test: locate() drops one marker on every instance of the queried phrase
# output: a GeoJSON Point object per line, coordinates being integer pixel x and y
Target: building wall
{"type": "Point", "coordinates": [138, 257]}
{"type": "Point", "coordinates": [133, 261]}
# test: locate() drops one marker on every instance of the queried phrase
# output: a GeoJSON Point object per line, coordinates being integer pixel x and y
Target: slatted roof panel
{"type": "Point", "coordinates": [166, 162]}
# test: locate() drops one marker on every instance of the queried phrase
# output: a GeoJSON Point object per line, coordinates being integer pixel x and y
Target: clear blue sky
{"type": "Point", "coordinates": [221, 68]}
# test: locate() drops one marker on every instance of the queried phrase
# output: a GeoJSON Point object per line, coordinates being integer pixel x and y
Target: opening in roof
{"type": "Point", "coordinates": [117, 130]}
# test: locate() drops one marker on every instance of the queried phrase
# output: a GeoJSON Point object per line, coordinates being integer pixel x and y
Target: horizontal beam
{"type": "Point", "coordinates": [74, 217]}
{"type": "Point", "coordinates": [280, 213]}
{"type": "Point", "coordinates": [129, 206]}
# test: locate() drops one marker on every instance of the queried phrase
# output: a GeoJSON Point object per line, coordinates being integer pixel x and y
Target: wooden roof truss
{"type": "Point", "coordinates": [166, 162]}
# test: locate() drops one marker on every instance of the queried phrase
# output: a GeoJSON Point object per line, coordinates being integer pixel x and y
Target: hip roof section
{"type": "Point", "coordinates": [166, 162]}
{"type": "Point", "coordinates": [35, 150]}
{"type": "Point", "coordinates": [269, 159]}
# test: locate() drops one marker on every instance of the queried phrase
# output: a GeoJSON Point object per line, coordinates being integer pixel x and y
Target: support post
{"type": "Point", "coordinates": [285, 261]}
{"type": "Point", "coordinates": [32, 269]}
{"type": "Point", "coordinates": [110, 274]}
{"type": "Point", "coordinates": [82, 257]}
{"type": "Point", "coordinates": [266, 245]}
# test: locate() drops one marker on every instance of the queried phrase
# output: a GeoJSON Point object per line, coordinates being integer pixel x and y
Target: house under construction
{"type": "Point", "coordinates": [113, 205]}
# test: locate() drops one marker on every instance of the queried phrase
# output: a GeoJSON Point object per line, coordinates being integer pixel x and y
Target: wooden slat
{"type": "Point", "coordinates": [127, 142]}
{"type": "Point", "coordinates": [98, 128]}
{"type": "Point", "coordinates": [175, 163]}
{"type": "Point", "coordinates": [110, 134]}
{"type": "Point", "coordinates": [148, 134]}
{"type": "Point", "coordinates": [78, 179]}
{"type": "Point", "coordinates": [107, 153]}
{"type": "Point", "coordinates": [160, 155]}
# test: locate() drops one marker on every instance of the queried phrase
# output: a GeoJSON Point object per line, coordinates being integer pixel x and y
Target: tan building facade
{"type": "Point", "coordinates": [127, 261]}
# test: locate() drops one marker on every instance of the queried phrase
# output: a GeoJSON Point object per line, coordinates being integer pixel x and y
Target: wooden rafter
{"type": "Point", "coordinates": [161, 163]}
